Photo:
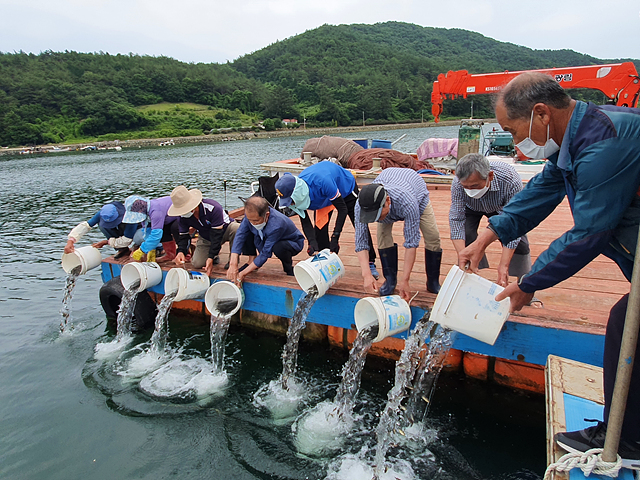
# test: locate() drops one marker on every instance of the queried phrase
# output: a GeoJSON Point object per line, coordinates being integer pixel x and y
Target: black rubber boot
{"type": "Point", "coordinates": [432, 262]}
{"type": "Point", "coordinates": [389, 261]}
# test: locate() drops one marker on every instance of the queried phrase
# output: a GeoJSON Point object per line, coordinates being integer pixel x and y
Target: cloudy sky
{"type": "Point", "coordinates": [217, 31]}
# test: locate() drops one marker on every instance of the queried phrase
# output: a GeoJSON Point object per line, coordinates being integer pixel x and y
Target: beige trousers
{"type": "Point", "coordinates": [428, 227]}
{"type": "Point", "coordinates": [199, 259]}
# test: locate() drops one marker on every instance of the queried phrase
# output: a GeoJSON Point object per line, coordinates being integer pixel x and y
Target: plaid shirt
{"type": "Point", "coordinates": [409, 197]}
{"type": "Point", "coordinates": [506, 183]}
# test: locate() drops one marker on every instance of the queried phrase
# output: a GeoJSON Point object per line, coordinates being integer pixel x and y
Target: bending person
{"type": "Point", "coordinates": [398, 194]}
{"type": "Point", "coordinates": [323, 187]}
{"type": "Point", "coordinates": [163, 228]}
{"type": "Point", "coordinates": [209, 219]}
{"type": "Point", "coordinates": [269, 232]}
{"type": "Point", "coordinates": [118, 235]}
{"type": "Point", "coordinates": [481, 188]}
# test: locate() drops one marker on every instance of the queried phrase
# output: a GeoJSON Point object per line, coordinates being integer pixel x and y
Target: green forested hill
{"type": "Point", "coordinates": [329, 75]}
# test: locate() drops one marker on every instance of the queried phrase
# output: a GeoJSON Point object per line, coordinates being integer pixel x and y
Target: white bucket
{"type": "Point", "coordinates": [87, 257]}
{"type": "Point", "coordinates": [466, 303]}
{"type": "Point", "coordinates": [322, 270]}
{"type": "Point", "coordinates": [391, 313]}
{"type": "Point", "coordinates": [188, 285]}
{"type": "Point", "coordinates": [149, 274]}
{"type": "Point", "coordinates": [220, 291]}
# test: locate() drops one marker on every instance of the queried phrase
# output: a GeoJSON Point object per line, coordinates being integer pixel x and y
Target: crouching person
{"type": "Point", "coordinates": [209, 219]}
{"type": "Point", "coordinates": [269, 232]}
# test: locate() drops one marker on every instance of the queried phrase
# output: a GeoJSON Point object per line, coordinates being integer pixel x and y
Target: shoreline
{"type": "Point", "coordinates": [235, 136]}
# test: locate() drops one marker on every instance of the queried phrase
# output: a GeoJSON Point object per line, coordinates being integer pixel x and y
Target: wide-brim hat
{"type": "Point", "coordinates": [111, 215]}
{"type": "Point", "coordinates": [137, 209]}
{"type": "Point", "coordinates": [284, 189]}
{"type": "Point", "coordinates": [371, 198]}
{"type": "Point", "coordinates": [183, 200]}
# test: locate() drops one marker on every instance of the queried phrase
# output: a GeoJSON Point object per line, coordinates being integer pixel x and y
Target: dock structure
{"type": "Point", "coordinates": [571, 323]}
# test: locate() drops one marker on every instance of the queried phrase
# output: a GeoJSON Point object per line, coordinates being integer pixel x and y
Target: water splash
{"type": "Point", "coordinates": [323, 429]}
{"type": "Point", "coordinates": [125, 312]}
{"type": "Point", "coordinates": [161, 331]}
{"type": "Point", "coordinates": [298, 322]}
{"type": "Point", "coordinates": [405, 371]}
{"type": "Point", "coordinates": [70, 284]}
{"type": "Point", "coordinates": [218, 333]}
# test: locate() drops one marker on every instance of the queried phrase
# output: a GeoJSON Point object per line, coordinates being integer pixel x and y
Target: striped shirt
{"type": "Point", "coordinates": [409, 197]}
{"type": "Point", "coordinates": [505, 184]}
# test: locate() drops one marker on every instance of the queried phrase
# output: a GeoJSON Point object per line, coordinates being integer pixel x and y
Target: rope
{"type": "Point", "coordinates": [589, 462]}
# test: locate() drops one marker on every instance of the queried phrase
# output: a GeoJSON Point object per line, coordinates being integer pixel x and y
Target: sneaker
{"type": "Point", "coordinates": [374, 272]}
{"type": "Point", "coordinates": [593, 437]}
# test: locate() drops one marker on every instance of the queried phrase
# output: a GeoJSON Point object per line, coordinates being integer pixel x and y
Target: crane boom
{"type": "Point", "coordinates": [618, 81]}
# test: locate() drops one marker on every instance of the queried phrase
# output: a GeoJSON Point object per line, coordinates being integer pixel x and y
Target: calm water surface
{"type": "Point", "coordinates": [65, 415]}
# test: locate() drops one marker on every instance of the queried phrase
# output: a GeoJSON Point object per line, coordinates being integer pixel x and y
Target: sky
{"type": "Point", "coordinates": [218, 31]}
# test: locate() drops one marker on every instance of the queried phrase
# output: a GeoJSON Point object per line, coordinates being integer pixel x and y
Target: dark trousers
{"type": "Point", "coordinates": [284, 250]}
{"type": "Point", "coordinates": [171, 231]}
{"type": "Point", "coordinates": [322, 234]}
{"type": "Point", "coordinates": [471, 224]}
{"type": "Point", "coordinates": [612, 342]}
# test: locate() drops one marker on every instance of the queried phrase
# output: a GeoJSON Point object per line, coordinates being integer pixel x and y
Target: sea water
{"type": "Point", "coordinates": [106, 350]}
{"type": "Point", "coordinates": [69, 286]}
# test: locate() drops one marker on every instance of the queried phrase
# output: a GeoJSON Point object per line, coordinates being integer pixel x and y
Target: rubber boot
{"type": "Point", "coordinates": [432, 262]}
{"type": "Point", "coordinates": [389, 261]}
{"type": "Point", "coordinates": [169, 251]}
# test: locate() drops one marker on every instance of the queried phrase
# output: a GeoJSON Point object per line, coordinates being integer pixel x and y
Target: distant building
{"type": "Point", "coordinates": [287, 121]}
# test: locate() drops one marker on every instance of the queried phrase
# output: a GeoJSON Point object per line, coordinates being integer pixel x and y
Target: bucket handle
{"type": "Point", "coordinates": [414, 296]}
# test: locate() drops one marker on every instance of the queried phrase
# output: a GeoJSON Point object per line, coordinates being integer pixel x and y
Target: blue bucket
{"type": "Point", "coordinates": [363, 142]}
{"type": "Point", "coordinates": [381, 144]}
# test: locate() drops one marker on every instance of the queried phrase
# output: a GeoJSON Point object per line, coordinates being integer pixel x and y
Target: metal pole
{"type": "Point", "coordinates": [625, 366]}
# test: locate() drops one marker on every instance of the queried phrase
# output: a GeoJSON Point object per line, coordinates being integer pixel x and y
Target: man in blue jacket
{"type": "Point", "coordinates": [593, 157]}
{"type": "Point", "coordinates": [321, 187]}
{"type": "Point", "coordinates": [270, 232]}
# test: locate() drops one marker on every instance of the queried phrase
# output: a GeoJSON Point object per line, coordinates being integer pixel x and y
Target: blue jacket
{"type": "Point", "coordinates": [278, 227]}
{"type": "Point", "coordinates": [598, 169]}
{"type": "Point", "coordinates": [326, 181]}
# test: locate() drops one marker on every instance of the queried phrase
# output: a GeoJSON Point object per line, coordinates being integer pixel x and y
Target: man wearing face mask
{"type": "Point", "coordinates": [593, 157]}
{"type": "Point", "coordinates": [270, 233]}
{"type": "Point", "coordinates": [482, 188]}
{"type": "Point", "coordinates": [209, 219]}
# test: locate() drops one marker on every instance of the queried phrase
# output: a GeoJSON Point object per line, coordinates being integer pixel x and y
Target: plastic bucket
{"type": "Point", "coordinates": [221, 291]}
{"type": "Point", "coordinates": [188, 285]}
{"type": "Point", "coordinates": [381, 144]}
{"type": "Point", "coordinates": [392, 315]}
{"type": "Point", "coordinates": [86, 257]}
{"type": "Point", "coordinates": [322, 270]}
{"type": "Point", "coordinates": [363, 142]}
{"type": "Point", "coordinates": [148, 273]}
{"type": "Point", "coordinates": [466, 304]}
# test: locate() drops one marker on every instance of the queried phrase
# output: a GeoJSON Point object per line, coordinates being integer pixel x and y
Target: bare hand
{"type": "Point", "coordinates": [180, 259]}
{"type": "Point", "coordinates": [403, 290]}
{"type": "Point", "coordinates": [469, 258]}
{"type": "Point", "coordinates": [208, 268]}
{"type": "Point", "coordinates": [518, 298]}
{"type": "Point", "coordinates": [503, 275]}
{"type": "Point", "coordinates": [232, 273]}
{"type": "Point", "coordinates": [370, 285]}
{"type": "Point", "coordinates": [69, 248]}
{"type": "Point", "coordinates": [100, 244]}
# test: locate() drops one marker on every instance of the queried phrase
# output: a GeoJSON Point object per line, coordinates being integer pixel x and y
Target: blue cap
{"type": "Point", "coordinates": [284, 189]}
{"type": "Point", "coordinates": [111, 215]}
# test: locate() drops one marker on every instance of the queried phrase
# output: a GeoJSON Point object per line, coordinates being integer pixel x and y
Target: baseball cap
{"type": "Point", "coordinates": [111, 215]}
{"type": "Point", "coordinates": [371, 199]}
{"type": "Point", "coordinates": [284, 189]}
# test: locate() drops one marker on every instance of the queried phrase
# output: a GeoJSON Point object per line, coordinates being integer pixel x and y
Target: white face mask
{"type": "Point", "coordinates": [187, 215]}
{"type": "Point", "coordinates": [260, 226]}
{"type": "Point", "coordinates": [477, 193]}
{"type": "Point", "coordinates": [530, 149]}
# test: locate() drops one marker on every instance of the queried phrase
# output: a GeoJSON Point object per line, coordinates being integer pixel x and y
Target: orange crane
{"type": "Point", "coordinates": [618, 81]}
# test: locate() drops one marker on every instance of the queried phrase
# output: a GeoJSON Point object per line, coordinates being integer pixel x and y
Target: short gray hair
{"type": "Point", "coordinates": [471, 163]}
{"type": "Point", "coordinates": [523, 92]}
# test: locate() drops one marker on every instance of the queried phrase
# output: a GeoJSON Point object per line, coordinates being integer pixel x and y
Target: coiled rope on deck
{"type": "Point", "coordinates": [589, 462]}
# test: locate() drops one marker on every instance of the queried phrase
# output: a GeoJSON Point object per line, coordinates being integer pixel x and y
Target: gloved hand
{"type": "Point", "coordinates": [151, 256]}
{"type": "Point", "coordinates": [138, 255]}
{"type": "Point", "coordinates": [313, 248]}
{"type": "Point", "coordinates": [333, 245]}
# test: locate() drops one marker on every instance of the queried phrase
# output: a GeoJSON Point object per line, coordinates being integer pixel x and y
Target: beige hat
{"type": "Point", "coordinates": [184, 200]}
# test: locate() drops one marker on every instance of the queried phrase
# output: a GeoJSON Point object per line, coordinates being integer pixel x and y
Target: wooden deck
{"type": "Point", "coordinates": [571, 323]}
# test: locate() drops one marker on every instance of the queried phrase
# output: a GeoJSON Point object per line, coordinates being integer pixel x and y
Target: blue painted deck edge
{"type": "Point", "coordinates": [517, 341]}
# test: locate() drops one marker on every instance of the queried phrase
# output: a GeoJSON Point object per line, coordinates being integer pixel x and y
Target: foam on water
{"type": "Point", "coordinates": [184, 379]}
{"type": "Point", "coordinates": [321, 430]}
{"type": "Point", "coordinates": [141, 364]}
{"type": "Point", "coordinates": [281, 402]}
{"type": "Point", "coordinates": [113, 349]}
{"type": "Point", "coordinates": [355, 467]}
